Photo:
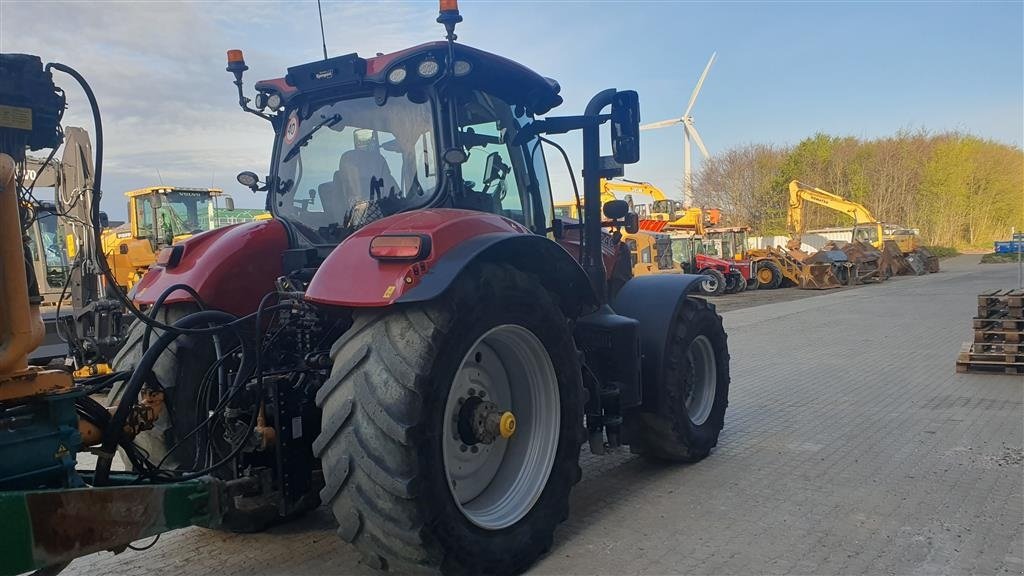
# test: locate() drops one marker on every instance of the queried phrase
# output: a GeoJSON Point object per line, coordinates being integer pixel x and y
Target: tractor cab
{"type": "Point", "coordinates": [434, 126]}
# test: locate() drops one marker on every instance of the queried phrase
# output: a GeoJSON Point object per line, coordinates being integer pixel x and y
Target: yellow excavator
{"type": "Point", "coordinates": [866, 228]}
{"type": "Point", "coordinates": [158, 216]}
{"type": "Point", "coordinates": [661, 209]}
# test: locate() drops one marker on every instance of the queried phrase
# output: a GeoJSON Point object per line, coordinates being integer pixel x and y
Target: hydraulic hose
{"type": "Point", "coordinates": [142, 372]}
{"type": "Point", "coordinates": [101, 263]}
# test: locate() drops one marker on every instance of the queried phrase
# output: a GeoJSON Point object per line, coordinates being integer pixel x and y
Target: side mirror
{"type": "Point", "coordinates": [249, 179]}
{"type": "Point", "coordinates": [229, 203]}
{"type": "Point", "coordinates": [615, 209]}
{"type": "Point", "coordinates": [104, 220]}
{"type": "Point", "coordinates": [626, 127]}
{"type": "Point", "coordinates": [157, 201]}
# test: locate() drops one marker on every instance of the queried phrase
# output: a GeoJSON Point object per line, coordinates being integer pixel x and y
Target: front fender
{"type": "Point", "coordinates": [656, 301]}
{"type": "Point", "coordinates": [351, 277]}
{"type": "Point", "coordinates": [231, 268]}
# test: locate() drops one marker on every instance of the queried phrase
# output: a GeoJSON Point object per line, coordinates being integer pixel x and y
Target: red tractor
{"type": "Point", "coordinates": [720, 276]}
{"type": "Point", "coordinates": [414, 340]}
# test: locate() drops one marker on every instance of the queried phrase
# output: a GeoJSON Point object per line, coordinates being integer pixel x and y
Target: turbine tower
{"type": "Point", "coordinates": [689, 133]}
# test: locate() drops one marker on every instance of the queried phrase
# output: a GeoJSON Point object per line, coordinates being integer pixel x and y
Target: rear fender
{"type": "Point", "coordinates": [350, 277]}
{"type": "Point", "coordinates": [231, 268]}
{"type": "Point", "coordinates": [656, 302]}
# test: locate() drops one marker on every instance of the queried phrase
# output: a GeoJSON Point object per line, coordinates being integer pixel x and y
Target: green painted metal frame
{"type": "Point", "coordinates": [42, 528]}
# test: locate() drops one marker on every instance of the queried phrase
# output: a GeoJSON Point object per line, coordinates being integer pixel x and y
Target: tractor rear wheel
{"type": "Point", "coordinates": [769, 277]}
{"type": "Point", "coordinates": [714, 282]}
{"type": "Point", "coordinates": [451, 429]}
{"type": "Point", "coordinates": [695, 393]}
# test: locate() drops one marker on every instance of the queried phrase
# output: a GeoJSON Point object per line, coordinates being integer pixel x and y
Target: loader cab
{"type": "Point", "coordinates": [165, 215]}
{"type": "Point", "coordinates": [361, 139]}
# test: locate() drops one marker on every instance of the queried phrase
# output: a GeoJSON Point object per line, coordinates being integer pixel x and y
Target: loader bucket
{"type": "Point", "coordinates": [827, 269]}
{"type": "Point", "coordinates": [931, 261]}
{"type": "Point", "coordinates": [893, 262]}
{"type": "Point", "coordinates": [868, 262]}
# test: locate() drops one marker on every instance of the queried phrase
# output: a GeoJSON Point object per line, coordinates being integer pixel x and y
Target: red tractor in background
{"type": "Point", "coordinates": [414, 339]}
{"type": "Point", "coordinates": [722, 276]}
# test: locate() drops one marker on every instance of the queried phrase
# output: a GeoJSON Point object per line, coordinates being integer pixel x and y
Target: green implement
{"type": "Point", "coordinates": [45, 528]}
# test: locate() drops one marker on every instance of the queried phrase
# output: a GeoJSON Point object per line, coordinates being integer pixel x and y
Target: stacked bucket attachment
{"type": "Point", "coordinates": [867, 261]}
{"type": "Point", "coordinates": [998, 335]}
{"type": "Point", "coordinates": [827, 269]}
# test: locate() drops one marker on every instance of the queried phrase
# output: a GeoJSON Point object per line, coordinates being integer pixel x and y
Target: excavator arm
{"type": "Point", "coordinates": [800, 193]}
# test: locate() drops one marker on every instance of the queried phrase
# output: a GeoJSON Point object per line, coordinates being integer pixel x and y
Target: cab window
{"type": "Point", "coordinates": [497, 176]}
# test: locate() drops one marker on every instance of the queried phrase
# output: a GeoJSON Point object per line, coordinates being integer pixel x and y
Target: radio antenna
{"type": "Point", "coordinates": [323, 37]}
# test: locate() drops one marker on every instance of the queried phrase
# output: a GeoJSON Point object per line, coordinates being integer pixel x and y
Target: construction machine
{"type": "Point", "coordinates": [866, 228]}
{"type": "Point", "coordinates": [411, 339]}
{"type": "Point", "coordinates": [158, 216]}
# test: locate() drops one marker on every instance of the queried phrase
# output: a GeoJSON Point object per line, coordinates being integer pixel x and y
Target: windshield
{"type": "Point", "coordinates": [185, 212]}
{"type": "Point", "coordinates": [867, 233]}
{"type": "Point", "coordinates": [349, 163]}
{"type": "Point", "coordinates": [53, 254]}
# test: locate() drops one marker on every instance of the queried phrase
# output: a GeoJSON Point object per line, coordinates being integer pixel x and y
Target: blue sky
{"type": "Point", "coordinates": [784, 70]}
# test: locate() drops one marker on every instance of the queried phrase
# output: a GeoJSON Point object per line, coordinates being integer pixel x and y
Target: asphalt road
{"type": "Point", "coordinates": [851, 446]}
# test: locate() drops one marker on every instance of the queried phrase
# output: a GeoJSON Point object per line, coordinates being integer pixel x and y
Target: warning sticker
{"type": "Point", "coordinates": [292, 130]}
{"type": "Point", "coordinates": [15, 117]}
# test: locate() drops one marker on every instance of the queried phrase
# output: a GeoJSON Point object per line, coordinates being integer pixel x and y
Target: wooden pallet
{"type": "Point", "coordinates": [973, 359]}
{"type": "Point", "coordinates": [999, 347]}
{"type": "Point", "coordinates": [1004, 322]}
{"type": "Point", "coordinates": [1011, 336]}
{"type": "Point", "coordinates": [1006, 303]}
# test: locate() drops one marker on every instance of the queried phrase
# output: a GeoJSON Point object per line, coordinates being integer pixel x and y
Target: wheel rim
{"type": "Point", "coordinates": [764, 275]}
{"type": "Point", "coordinates": [495, 484]}
{"type": "Point", "coordinates": [700, 397]}
{"type": "Point", "coordinates": [710, 283]}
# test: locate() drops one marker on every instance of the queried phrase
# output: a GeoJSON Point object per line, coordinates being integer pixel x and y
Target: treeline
{"type": "Point", "coordinates": [959, 190]}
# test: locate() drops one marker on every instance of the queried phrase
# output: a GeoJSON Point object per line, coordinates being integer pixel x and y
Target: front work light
{"type": "Point", "coordinates": [428, 68]}
{"type": "Point", "coordinates": [396, 76]}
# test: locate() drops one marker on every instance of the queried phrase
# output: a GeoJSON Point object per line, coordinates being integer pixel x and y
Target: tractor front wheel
{"type": "Point", "coordinates": [695, 392]}
{"type": "Point", "coordinates": [451, 429]}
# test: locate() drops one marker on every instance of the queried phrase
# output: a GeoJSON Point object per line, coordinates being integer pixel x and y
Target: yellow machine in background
{"type": "Point", "coordinates": [662, 208]}
{"type": "Point", "coordinates": [900, 249]}
{"type": "Point", "coordinates": [158, 216]}
{"type": "Point", "coordinates": [866, 228]}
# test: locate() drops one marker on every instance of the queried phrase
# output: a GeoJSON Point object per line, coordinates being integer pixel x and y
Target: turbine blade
{"type": "Point", "coordinates": [662, 124]}
{"type": "Point", "coordinates": [691, 130]}
{"type": "Point", "coordinates": [696, 89]}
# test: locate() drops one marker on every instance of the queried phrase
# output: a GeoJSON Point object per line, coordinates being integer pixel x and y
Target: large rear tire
{"type": "Point", "coordinates": [407, 485]}
{"type": "Point", "coordinates": [714, 284]}
{"type": "Point", "coordinates": [695, 393]}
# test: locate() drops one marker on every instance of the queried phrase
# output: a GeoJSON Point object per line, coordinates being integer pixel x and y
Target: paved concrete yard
{"type": "Point", "coordinates": [851, 446]}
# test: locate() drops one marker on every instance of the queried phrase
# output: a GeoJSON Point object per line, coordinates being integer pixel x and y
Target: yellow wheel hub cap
{"type": "Point", "coordinates": [507, 425]}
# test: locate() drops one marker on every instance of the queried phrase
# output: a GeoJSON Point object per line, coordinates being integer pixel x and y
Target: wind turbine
{"type": "Point", "coordinates": [689, 132]}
